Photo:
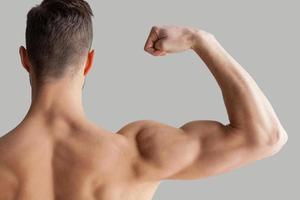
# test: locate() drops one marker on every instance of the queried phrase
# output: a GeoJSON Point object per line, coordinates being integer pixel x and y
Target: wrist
{"type": "Point", "coordinates": [200, 39]}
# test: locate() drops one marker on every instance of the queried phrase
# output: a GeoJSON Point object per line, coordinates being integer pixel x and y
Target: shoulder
{"type": "Point", "coordinates": [128, 134]}
{"type": "Point", "coordinates": [146, 124]}
{"type": "Point", "coordinates": [160, 149]}
{"type": "Point", "coordinates": [140, 130]}
{"type": "Point", "coordinates": [132, 128]}
{"type": "Point", "coordinates": [149, 138]}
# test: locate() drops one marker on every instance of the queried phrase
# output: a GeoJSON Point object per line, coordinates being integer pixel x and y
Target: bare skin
{"type": "Point", "coordinates": [56, 153]}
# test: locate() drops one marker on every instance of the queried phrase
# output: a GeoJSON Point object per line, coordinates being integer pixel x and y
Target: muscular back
{"type": "Point", "coordinates": [59, 160]}
{"type": "Point", "coordinates": [70, 162]}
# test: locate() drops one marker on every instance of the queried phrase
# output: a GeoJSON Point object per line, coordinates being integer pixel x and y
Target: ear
{"type": "Point", "coordinates": [24, 58]}
{"type": "Point", "coordinates": [89, 62]}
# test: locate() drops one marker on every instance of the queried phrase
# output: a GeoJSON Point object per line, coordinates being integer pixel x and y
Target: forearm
{"type": "Point", "coordinates": [247, 106]}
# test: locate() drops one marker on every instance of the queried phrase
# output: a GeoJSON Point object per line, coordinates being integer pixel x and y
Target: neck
{"type": "Point", "coordinates": [61, 100]}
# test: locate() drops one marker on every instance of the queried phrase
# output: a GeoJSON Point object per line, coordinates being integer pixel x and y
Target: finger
{"type": "Point", "coordinates": [159, 53]}
{"type": "Point", "coordinates": [150, 50]}
{"type": "Point", "coordinates": [158, 45]}
{"type": "Point", "coordinates": [152, 38]}
{"type": "Point", "coordinates": [163, 54]}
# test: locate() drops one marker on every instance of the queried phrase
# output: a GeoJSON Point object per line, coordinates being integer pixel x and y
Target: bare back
{"type": "Point", "coordinates": [69, 162]}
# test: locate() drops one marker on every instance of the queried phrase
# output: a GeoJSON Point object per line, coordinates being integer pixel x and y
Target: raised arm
{"type": "Point", "coordinates": [204, 148]}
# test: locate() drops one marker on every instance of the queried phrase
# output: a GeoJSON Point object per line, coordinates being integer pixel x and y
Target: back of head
{"type": "Point", "coordinates": [59, 35]}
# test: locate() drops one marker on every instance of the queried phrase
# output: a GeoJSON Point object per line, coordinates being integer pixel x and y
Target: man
{"type": "Point", "coordinates": [55, 153]}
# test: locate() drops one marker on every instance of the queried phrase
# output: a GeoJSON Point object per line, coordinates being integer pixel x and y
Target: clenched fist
{"type": "Point", "coordinates": [169, 39]}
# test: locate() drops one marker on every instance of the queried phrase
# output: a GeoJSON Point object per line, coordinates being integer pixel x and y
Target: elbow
{"type": "Point", "coordinates": [280, 140]}
{"type": "Point", "coordinates": [271, 142]}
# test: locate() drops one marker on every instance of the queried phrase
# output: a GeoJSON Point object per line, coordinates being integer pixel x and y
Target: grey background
{"type": "Point", "coordinates": [127, 84]}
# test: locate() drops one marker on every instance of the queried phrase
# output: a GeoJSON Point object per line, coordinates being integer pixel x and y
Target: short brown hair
{"type": "Point", "coordinates": [58, 34]}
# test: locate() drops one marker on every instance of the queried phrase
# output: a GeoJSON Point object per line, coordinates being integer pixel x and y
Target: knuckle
{"type": "Point", "coordinates": [159, 45]}
{"type": "Point", "coordinates": [155, 28]}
